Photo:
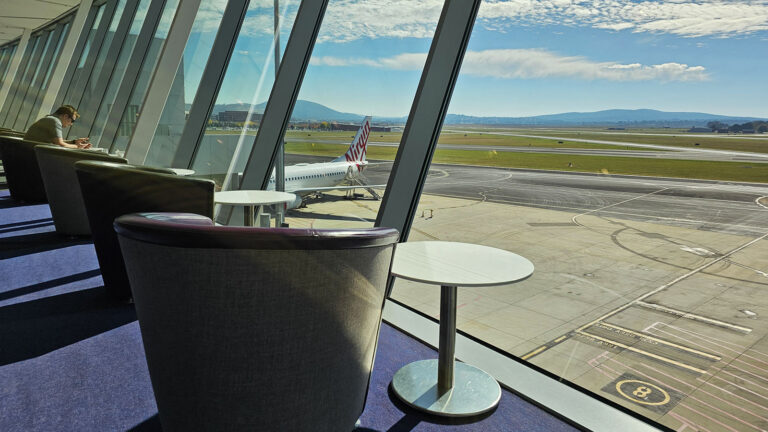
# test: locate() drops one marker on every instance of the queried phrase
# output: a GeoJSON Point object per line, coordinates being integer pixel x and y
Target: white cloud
{"type": "Point", "coordinates": [348, 20]}
{"type": "Point", "coordinates": [687, 18]}
{"type": "Point", "coordinates": [535, 63]}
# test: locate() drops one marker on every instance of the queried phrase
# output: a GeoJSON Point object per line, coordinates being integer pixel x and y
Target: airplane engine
{"type": "Point", "coordinates": [295, 203]}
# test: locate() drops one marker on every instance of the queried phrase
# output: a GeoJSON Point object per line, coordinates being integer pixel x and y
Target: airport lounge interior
{"type": "Point", "coordinates": [234, 215]}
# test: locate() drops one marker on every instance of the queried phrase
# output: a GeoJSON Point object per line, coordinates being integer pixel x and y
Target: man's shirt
{"type": "Point", "coordinates": [45, 130]}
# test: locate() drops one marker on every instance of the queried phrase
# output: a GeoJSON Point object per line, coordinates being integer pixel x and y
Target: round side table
{"type": "Point", "coordinates": [443, 386]}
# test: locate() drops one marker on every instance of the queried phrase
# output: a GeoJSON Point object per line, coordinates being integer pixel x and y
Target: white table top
{"type": "Point", "coordinates": [182, 171]}
{"type": "Point", "coordinates": [458, 264]}
{"type": "Point", "coordinates": [252, 197]}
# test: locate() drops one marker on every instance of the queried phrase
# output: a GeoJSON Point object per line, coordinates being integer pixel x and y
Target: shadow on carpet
{"type": "Point", "coordinates": [13, 247]}
{"type": "Point", "coordinates": [37, 327]}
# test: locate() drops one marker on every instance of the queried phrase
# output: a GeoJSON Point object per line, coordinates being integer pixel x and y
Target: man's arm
{"type": "Point", "coordinates": [77, 143]}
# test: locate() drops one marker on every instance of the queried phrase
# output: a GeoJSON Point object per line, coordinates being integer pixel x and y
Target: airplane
{"type": "Point", "coordinates": [342, 173]}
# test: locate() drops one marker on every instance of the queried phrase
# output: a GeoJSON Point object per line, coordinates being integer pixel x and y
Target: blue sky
{"type": "Point", "coordinates": [527, 57]}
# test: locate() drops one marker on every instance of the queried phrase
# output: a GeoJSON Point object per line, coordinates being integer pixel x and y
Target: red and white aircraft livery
{"type": "Point", "coordinates": [342, 173]}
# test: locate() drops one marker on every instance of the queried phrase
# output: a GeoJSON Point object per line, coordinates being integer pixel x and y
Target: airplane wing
{"type": "Point", "coordinates": [330, 188]}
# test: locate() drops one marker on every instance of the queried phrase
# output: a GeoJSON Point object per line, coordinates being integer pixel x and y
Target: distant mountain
{"type": "Point", "coordinates": [303, 110]}
{"type": "Point", "coordinates": [311, 111]}
{"type": "Point", "coordinates": [613, 117]}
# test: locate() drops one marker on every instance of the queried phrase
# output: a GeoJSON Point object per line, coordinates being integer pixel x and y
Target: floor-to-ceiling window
{"type": "Point", "coordinates": [351, 108]}
{"type": "Point", "coordinates": [43, 80]}
{"type": "Point", "coordinates": [6, 54]}
{"type": "Point", "coordinates": [621, 149]}
{"type": "Point", "coordinates": [186, 82]}
{"type": "Point", "coordinates": [107, 99]}
{"type": "Point", "coordinates": [20, 82]}
{"type": "Point", "coordinates": [234, 117]}
{"type": "Point", "coordinates": [118, 138]}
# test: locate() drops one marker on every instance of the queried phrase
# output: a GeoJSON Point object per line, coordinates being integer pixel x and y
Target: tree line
{"type": "Point", "coordinates": [753, 126]}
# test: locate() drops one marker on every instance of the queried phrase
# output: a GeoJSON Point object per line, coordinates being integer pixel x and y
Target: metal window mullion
{"type": "Point", "coordinates": [13, 67]}
{"type": "Point", "coordinates": [26, 83]}
{"type": "Point", "coordinates": [4, 63]}
{"type": "Point", "coordinates": [18, 80]}
{"type": "Point", "coordinates": [282, 98]}
{"type": "Point", "coordinates": [162, 79]}
{"type": "Point", "coordinates": [132, 70]}
{"type": "Point", "coordinates": [74, 59]}
{"type": "Point", "coordinates": [34, 91]}
{"type": "Point", "coordinates": [55, 55]}
{"type": "Point", "coordinates": [210, 83]}
{"type": "Point", "coordinates": [14, 80]}
{"type": "Point", "coordinates": [75, 94]}
{"type": "Point", "coordinates": [103, 78]}
{"type": "Point", "coordinates": [425, 120]}
{"type": "Point", "coordinates": [63, 59]}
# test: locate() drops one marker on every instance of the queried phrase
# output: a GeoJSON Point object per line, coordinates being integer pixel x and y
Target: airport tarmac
{"type": "Point", "coordinates": [647, 292]}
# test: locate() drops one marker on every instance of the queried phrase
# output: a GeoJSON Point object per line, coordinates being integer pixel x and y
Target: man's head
{"type": "Point", "coordinates": [67, 114]}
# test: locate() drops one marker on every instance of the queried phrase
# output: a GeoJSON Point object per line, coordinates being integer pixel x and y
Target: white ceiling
{"type": "Point", "coordinates": [17, 15]}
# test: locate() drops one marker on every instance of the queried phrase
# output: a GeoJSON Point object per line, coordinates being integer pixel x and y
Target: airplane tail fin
{"type": "Point", "coordinates": [359, 146]}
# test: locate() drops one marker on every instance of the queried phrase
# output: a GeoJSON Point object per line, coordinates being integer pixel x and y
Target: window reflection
{"type": "Point", "coordinates": [184, 88]}
{"type": "Point", "coordinates": [126, 51]}
{"type": "Point", "coordinates": [131, 112]}
{"type": "Point", "coordinates": [344, 84]}
{"type": "Point", "coordinates": [236, 115]}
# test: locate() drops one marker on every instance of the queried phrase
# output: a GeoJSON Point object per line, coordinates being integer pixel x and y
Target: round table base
{"type": "Point", "coordinates": [474, 391]}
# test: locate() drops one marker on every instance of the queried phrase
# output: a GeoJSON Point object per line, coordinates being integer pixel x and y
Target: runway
{"type": "Point", "coordinates": [705, 205]}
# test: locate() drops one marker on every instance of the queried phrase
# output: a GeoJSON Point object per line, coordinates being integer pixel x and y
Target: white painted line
{"type": "Point", "coordinates": [642, 352]}
{"type": "Point", "coordinates": [694, 317]}
{"type": "Point", "coordinates": [663, 342]}
{"type": "Point", "coordinates": [573, 219]}
{"type": "Point", "coordinates": [757, 201]}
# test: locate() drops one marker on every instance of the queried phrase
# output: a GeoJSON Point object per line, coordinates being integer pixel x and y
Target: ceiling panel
{"type": "Point", "coordinates": [17, 15]}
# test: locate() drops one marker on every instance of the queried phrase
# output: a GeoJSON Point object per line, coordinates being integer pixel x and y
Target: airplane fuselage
{"type": "Point", "coordinates": [302, 178]}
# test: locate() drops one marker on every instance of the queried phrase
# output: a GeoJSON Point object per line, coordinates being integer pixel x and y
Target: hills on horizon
{"type": "Point", "coordinates": [312, 111]}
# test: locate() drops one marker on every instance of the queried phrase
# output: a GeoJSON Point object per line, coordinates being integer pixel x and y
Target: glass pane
{"type": "Point", "coordinates": [17, 86]}
{"type": "Point", "coordinates": [361, 66]}
{"type": "Point", "coordinates": [7, 63]}
{"type": "Point", "coordinates": [46, 80]}
{"type": "Point", "coordinates": [79, 72]}
{"type": "Point", "coordinates": [185, 85]}
{"type": "Point", "coordinates": [604, 143]}
{"type": "Point", "coordinates": [5, 57]}
{"type": "Point", "coordinates": [246, 86]}
{"type": "Point", "coordinates": [104, 51]}
{"type": "Point", "coordinates": [117, 76]}
{"type": "Point", "coordinates": [131, 112]}
{"type": "Point", "coordinates": [31, 92]}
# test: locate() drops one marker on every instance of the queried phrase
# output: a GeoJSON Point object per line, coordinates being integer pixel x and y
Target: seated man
{"type": "Point", "coordinates": [49, 128]}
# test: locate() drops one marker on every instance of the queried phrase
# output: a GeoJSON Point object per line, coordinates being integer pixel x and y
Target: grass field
{"type": "Point", "coordinates": [709, 170]}
{"type": "Point", "coordinates": [755, 143]}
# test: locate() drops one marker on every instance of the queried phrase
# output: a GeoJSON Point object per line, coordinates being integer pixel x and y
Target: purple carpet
{"type": "Point", "coordinates": [72, 360]}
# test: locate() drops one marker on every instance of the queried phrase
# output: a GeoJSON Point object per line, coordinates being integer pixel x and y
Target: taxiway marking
{"type": "Point", "coordinates": [642, 352]}
{"type": "Point", "coordinates": [663, 341]}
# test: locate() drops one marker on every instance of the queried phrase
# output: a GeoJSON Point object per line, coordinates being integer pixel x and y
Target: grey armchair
{"type": "Point", "coordinates": [256, 329]}
{"type": "Point", "coordinates": [57, 168]}
{"type": "Point", "coordinates": [110, 190]}
{"type": "Point", "coordinates": [22, 172]}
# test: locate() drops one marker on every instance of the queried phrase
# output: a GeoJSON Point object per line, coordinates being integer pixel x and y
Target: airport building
{"type": "Point", "coordinates": [135, 295]}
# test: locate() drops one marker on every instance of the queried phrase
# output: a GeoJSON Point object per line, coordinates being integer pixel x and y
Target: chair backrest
{"type": "Point", "coordinates": [57, 168]}
{"type": "Point", "coordinates": [110, 190]}
{"type": "Point", "coordinates": [22, 173]}
{"type": "Point", "coordinates": [256, 329]}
